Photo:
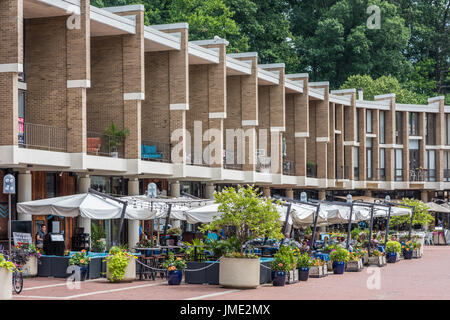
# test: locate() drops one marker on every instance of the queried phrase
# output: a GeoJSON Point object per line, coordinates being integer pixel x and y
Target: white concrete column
{"type": "Point", "coordinates": [424, 196]}
{"type": "Point", "coordinates": [133, 225]}
{"type": "Point", "coordinates": [209, 190]}
{"type": "Point", "coordinates": [322, 195]}
{"type": "Point", "coordinates": [175, 188]}
{"type": "Point", "coordinates": [24, 192]}
{"type": "Point", "coordinates": [84, 183]}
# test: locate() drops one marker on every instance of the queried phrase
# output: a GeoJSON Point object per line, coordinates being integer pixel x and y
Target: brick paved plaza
{"type": "Point", "coordinates": [425, 278]}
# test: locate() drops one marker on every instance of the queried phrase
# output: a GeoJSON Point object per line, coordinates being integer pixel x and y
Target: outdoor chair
{"type": "Point", "coordinates": [429, 238]}
{"type": "Point", "coordinates": [93, 145]}
{"type": "Point", "coordinates": [149, 152]}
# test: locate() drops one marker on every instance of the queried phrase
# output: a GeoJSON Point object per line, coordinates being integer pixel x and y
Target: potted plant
{"type": "Point", "coordinates": [279, 270]}
{"type": "Point", "coordinates": [175, 267]}
{"type": "Point", "coordinates": [318, 268]}
{"type": "Point", "coordinates": [98, 241]}
{"type": "Point", "coordinates": [393, 249]}
{"type": "Point", "coordinates": [408, 249]}
{"type": "Point", "coordinates": [355, 262]}
{"type": "Point", "coordinates": [174, 233]}
{"type": "Point", "coordinates": [304, 262]}
{"type": "Point", "coordinates": [252, 217]}
{"type": "Point", "coordinates": [291, 263]}
{"type": "Point", "coordinates": [26, 256]}
{"type": "Point", "coordinates": [120, 265]}
{"type": "Point", "coordinates": [81, 260]}
{"type": "Point", "coordinates": [6, 269]}
{"type": "Point", "coordinates": [115, 138]}
{"type": "Point", "coordinates": [339, 257]}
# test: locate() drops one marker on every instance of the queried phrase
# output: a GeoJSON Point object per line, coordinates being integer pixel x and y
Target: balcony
{"type": "Point", "coordinates": [263, 164]}
{"type": "Point", "coordinates": [381, 174]}
{"type": "Point", "coordinates": [398, 174]}
{"type": "Point", "coordinates": [42, 137]}
{"type": "Point", "coordinates": [289, 167]}
{"type": "Point", "coordinates": [430, 175]}
{"type": "Point", "coordinates": [99, 144]}
{"type": "Point", "coordinates": [417, 175]}
{"type": "Point", "coordinates": [311, 170]}
{"type": "Point", "coordinates": [356, 173]}
{"type": "Point", "coordinates": [230, 162]}
{"type": "Point", "coordinates": [155, 151]}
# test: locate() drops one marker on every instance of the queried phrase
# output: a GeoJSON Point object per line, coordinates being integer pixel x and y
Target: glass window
{"type": "Point", "coordinates": [382, 139]}
{"type": "Point", "coordinates": [430, 163]}
{"type": "Point", "coordinates": [430, 129]}
{"type": "Point", "coordinates": [398, 164]}
{"type": "Point", "coordinates": [398, 128]}
{"type": "Point", "coordinates": [447, 129]}
{"type": "Point", "coordinates": [357, 124]}
{"type": "Point", "coordinates": [414, 124]}
{"type": "Point", "coordinates": [50, 185]}
{"type": "Point", "coordinates": [369, 121]}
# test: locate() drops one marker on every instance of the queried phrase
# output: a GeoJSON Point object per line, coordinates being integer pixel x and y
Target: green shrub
{"type": "Point", "coordinates": [339, 255]}
{"type": "Point", "coordinates": [393, 247]}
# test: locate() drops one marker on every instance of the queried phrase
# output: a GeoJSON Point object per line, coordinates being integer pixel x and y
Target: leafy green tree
{"type": "Point", "coordinates": [250, 215]}
{"type": "Point", "coordinates": [421, 215]}
{"type": "Point", "coordinates": [383, 85]}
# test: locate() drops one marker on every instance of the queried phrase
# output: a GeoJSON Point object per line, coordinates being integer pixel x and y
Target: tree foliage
{"type": "Point", "coordinates": [251, 216]}
{"type": "Point", "coordinates": [421, 215]}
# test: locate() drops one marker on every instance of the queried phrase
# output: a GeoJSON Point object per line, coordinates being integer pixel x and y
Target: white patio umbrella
{"type": "Point", "coordinates": [303, 215]}
{"type": "Point", "coordinates": [86, 205]}
{"type": "Point", "coordinates": [205, 214]}
{"type": "Point", "coordinates": [434, 207]}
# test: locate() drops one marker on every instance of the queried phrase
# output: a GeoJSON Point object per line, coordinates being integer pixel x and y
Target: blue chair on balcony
{"type": "Point", "coordinates": [149, 152]}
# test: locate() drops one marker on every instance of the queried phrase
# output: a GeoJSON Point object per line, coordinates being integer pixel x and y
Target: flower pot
{"type": "Point", "coordinates": [279, 278]}
{"type": "Point", "coordinates": [82, 271]}
{"type": "Point", "coordinates": [391, 257]}
{"type": "Point", "coordinates": [30, 269]}
{"type": "Point", "coordinates": [318, 271]}
{"type": "Point", "coordinates": [5, 284]}
{"type": "Point", "coordinates": [303, 274]}
{"type": "Point", "coordinates": [338, 267]}
{"type": "Point", "coordinates": [354, 266]}
{"type": "Point", "coordinates": [417, 253]}
{"type": "Point", "coordinates": [292, 276]}
{"type": "Point", "coordinates": [374, 260]}
{"type": "Point", "coordinates": [407, 254]}
{"type": "Point", "coordinates": [130, 272]}
{"type": "Point", "coordinates": [174, 277]}
{"type": "Point", "coordinates": [239, 273]}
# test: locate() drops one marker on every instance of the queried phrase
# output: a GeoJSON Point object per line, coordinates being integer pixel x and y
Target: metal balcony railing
{"type": "Point", "coordinates": [447, 175]}
{"type": "Point", "coordinates": [42, 137]}
{"type": "Point", "coordinates": [398, 174]}
{"type": "Point", "coordinates": [430, 175]}
{"type": "Point", "coordinates": [99, 144]}
{"type": "Point", "coordinates": [417, 175]}
{"type": "Point", "coordinates": [156, 151]}
{"type": "Point", "coordinates": [356, 173]}
{"type": "Point", "coordinates": [311, 170]}
{"type": "Point", "coordinates": [263, 164]}
{"type": "Point", "coordinates": [381, 174]}
{"type": "Point", "coordinates": [289, 167]}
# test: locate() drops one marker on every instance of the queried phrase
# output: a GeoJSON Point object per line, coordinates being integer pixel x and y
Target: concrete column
{"type": "Point", "coordinates": [301, 123]}
{"type": "Point", "coordinates": [84, 183]}
{"type": "Point", "coordinates": [322, 195]}
{"type": "Point", "coordinates": [290, 193]}
{"type": "Point", "coordinates": [424, 196]}
{"type": "Point", "coordinates": [266, 192]}
{"type": "Point", "coordinates": [405, 129]}
{"type": "Point", "coordinates": [362, 161]}
{"type": "Point", "coordinates": [24, 192]}
{"type": "Point", "coordinates": [440, 136]}
{"type": "Point", "coordinates": [209, 190]}
{"type": "Point", "coordinates": [340, 141]}
{"type": "Point", "coordinates": [175, 189]}
{"type": "Point", "coordinates": [376, 144]}
{"type": "Point", "coordinates": [133, 225]}
{"type": "Point", "coordinates": [368, 193]}
{"type": "Point", "coordinates": [389, 128]}
{"type": "Point", "coordinates": [331, 149]}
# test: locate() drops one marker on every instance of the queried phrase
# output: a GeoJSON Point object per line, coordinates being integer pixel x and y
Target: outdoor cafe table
{"type": "Point", "coordinates": [322, 256]}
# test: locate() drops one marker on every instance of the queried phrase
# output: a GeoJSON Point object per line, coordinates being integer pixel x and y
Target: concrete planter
{"type": "Point", "coordinates": [417, 253]}
{"type": "Point", "coordinates": [318, 272]}
{"type": "Point", "coordinates": [5, 284]}
{"type": "Point", "coordinates": [130, 272]}
{"type": "Point", "coordinates": [292, 276]}
{"type": "Point", "coordinates": [377, 261]}
{"type": "Point", "coordinates": [366, 258]}
{"type": "Point", "coordinates": [239, 273]}
{"type": "Point", "coordinates": [30, 269]}
{"type": "Point", "coordinates": [354, 266]}
{"type": "Point", "coordinates": [329, 265]}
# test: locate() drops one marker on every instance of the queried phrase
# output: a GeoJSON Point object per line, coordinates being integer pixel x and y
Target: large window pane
{"type": "Point", "coordinates": [382, 140]}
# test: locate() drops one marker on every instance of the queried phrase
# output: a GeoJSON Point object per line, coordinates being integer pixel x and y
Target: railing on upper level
{"type": "Point", "coordinates": [446, 175]}
{"type": "Point", "coordinates": [263, 164]}
{"type": "Point", "coordinates": [42, 137]}
{"type": "Point", "coordinates": [289, 167]}
{"type": "Point", "coordinates": [398, 174]}
{"type": "Point", "coordinates": [156, 151]}
{"type": "Point", "coordinates": [356, 173]}
{"type": "Point", "coordinates": [381, 174]}
{"type": "Point", "coordinates": [311, 170]}
{"type": "Point", "coordinates": [99, 144]}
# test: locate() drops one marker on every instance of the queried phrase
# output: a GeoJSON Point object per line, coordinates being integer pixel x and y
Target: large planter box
{"type": "Point", "coordinates": [377, 261]}
{"type": "Point", "coordinates": [354, 266]}
{"type": "Point", "coordinates": [30, 269]}
{"type": "Point", "coordinates": [329, 265]}
{"type": "Point", "coordinates": [59, 266]}
{"type": "Point", "coordinates": [195, 277]}
{"type": "Point", "coordinates": [130, 272]}
{"type": "Point", "coordinates": [95, 268]}
{"type": "Point", "coordinates": [239, 273]}
{"type": "Point", "coordinates": [318, 272]}
{"type": "Point", "coordinates": [417, 254]}
{"type": "Point", "coordinates": [45, 266]}
{"type": "Point", "coordinates": [366, 258]}
{"type": "Point", "coordinates": [265, 274]}
{"type": "Point", "coordinates": [292, 276]}
{"type": "Point", "coordinates": [5, 284]}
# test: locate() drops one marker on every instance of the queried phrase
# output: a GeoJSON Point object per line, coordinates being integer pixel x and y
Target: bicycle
{"type": "Point", "coordinates": [17, 277]}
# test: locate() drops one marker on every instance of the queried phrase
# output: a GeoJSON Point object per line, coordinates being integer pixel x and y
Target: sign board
{"type": "Point", "coordinates": [22, 237]}
{"type": "Point", "coordinates": [152, 190]}
{"type": "Point", "coordinates": [55, 226]}
{"type": "Point", "coordinates": [57, 237]}
{"type": "Point", "coordinates": [9, 184]}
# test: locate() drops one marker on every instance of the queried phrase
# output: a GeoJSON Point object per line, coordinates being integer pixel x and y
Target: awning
{"type": "Point", "coordinates": [86, 205]}
{"type": "Point", "coordinates": [434, 207]}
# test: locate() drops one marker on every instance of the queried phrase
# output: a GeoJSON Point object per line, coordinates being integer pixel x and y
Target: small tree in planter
{"type": "Point", "coordinates": [115, 138]}
{"type": "Point", "coordinates": [175, 267]}
{"type": "Point", "coordinates": [304, 262]}
{"type": "Point", "coordinates": [121, 265]}
{"type": "Point", "coordinates": [393, 249]}
{"type": "Point", "coordinates": [252, 217]}
{"type": "Point", "coordinates": [6, 269]}
{"type": "Point", "coordinates": [421, 215]}
{"type": "Point", "coordinates": [81, 260]}
{"type": "Point", "coordinates": [339, 257]}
